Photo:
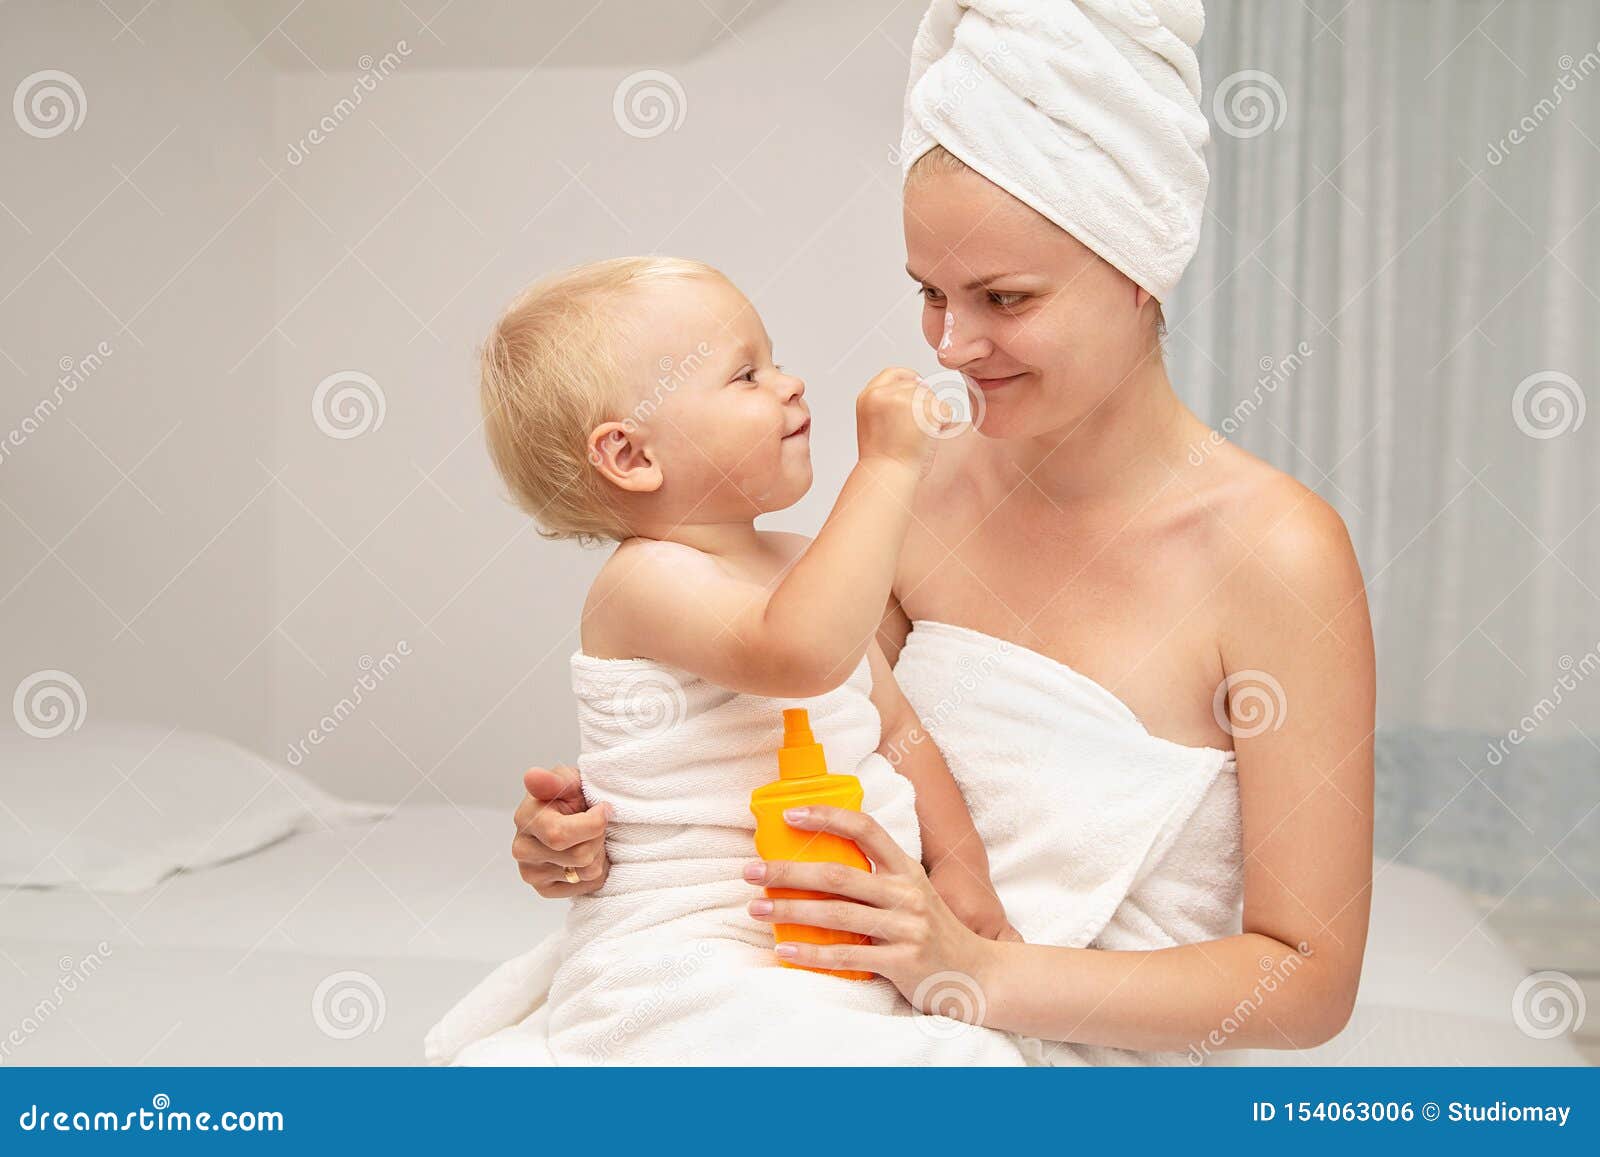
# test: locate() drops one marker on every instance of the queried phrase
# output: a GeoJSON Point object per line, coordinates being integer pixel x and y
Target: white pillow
{"type": "Point", "coordinates": [115, 807]}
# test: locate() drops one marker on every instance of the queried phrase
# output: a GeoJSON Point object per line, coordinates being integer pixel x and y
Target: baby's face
{"type": "Point", "coordinates": [727, 427]}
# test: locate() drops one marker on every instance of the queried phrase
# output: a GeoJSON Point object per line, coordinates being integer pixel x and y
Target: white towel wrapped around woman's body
{"type": "Point", "coordinates": [1098, 833]}
{"type": "Point", "coordinates": [663, 965]}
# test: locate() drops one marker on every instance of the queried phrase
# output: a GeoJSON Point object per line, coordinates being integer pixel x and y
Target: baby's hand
{"type": "Point", "coordinates": [973, 901]}
{"type": "Point", "coordinates": [897, 417]}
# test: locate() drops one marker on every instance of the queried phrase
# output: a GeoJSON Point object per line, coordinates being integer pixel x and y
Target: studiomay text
{"type": "Point", "coordinates": [1512, 1114]}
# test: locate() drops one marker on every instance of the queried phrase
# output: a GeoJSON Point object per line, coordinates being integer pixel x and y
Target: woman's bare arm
{"type": "Point", "coordinates": [957, 862]}
{"type": "Point", "coordinates": [893, 629]}
{"type": "Point", "coordinates": [941, 810]}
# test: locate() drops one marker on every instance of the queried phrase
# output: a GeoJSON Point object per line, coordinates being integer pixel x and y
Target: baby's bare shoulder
{"type": "Point", "coordinates": [642, 564]}
{"type": "Point", "coordinates": [643, 580]}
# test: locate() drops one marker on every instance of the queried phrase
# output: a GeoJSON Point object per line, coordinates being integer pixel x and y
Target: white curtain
{"type": "Point", "coordinates": [1411, 188]}
{"type": "Point", "coordinates": [1355, 208]}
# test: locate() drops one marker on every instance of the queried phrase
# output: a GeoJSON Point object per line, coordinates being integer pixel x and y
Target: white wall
{"type": "Point", "coordinates": [131, 553]}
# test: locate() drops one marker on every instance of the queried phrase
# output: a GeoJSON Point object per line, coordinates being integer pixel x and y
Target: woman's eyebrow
{"type": "Point", "coordinates": [978, 282]}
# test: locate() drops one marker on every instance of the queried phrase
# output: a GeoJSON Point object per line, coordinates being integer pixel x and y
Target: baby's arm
{"type": "Point", "coordinates": [805, 635]}
{"type": "Point", "coordinates": [952, 852]}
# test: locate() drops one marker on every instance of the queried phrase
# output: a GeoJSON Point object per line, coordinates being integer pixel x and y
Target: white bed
{"type": "Point", "coordinates": [221, 965]}
{"type": "Point", "coordinates": [186, 902]}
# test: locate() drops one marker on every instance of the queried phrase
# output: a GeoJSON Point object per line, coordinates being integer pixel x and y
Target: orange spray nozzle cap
{"type": "Point", "coordinates": [796, 727]}
{"type": "Point", "coordinates": [800, 755]}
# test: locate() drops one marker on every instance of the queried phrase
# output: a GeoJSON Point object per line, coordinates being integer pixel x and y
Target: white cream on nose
{"type": "Point", "coordinates": [949, 330]}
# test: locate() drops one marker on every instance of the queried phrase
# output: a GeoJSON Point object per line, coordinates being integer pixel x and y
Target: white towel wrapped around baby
{"type": "Point", "coordinates": [663, 965]}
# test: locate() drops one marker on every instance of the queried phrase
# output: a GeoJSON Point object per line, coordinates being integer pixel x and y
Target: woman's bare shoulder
{"type": "Point", "coordinates": [1286, 546]}
{"type": "Point", "coordinates": [1285, 518]}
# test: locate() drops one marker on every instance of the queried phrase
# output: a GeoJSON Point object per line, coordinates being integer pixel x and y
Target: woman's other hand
{"type": "Point", "coordinates": [559, 837]}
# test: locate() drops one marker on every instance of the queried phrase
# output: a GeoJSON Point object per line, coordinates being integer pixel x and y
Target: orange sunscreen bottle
{"type": "Point", "coordinates": [803, 779]}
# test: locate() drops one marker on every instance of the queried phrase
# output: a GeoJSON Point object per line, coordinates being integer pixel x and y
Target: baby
{"type": "Point", "coordinates": [636, 400]}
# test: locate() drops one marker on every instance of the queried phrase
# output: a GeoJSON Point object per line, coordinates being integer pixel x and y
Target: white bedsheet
{"type": "Point", "coordinates": [221, 966]}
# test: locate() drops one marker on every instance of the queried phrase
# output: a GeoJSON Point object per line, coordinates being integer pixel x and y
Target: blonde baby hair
{"type": "Point", "coordinates": [550, 372]}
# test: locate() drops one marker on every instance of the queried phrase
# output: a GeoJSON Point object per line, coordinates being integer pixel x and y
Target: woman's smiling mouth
{"type": "Point", "coordinates": [987, 384]}
{"type": "Point", "coordinates": [802, 428]}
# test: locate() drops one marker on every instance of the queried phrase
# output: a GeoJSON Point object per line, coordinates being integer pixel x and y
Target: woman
{"type": "Point", "coordinates": [1095, 532]}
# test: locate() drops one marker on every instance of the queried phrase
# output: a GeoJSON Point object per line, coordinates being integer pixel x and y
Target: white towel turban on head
{"type": "Point", "coordinates": [1087, 110]}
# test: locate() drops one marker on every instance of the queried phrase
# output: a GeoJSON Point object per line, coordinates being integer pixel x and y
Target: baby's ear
{"type": "Point", "coordinates": [617, 450]}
